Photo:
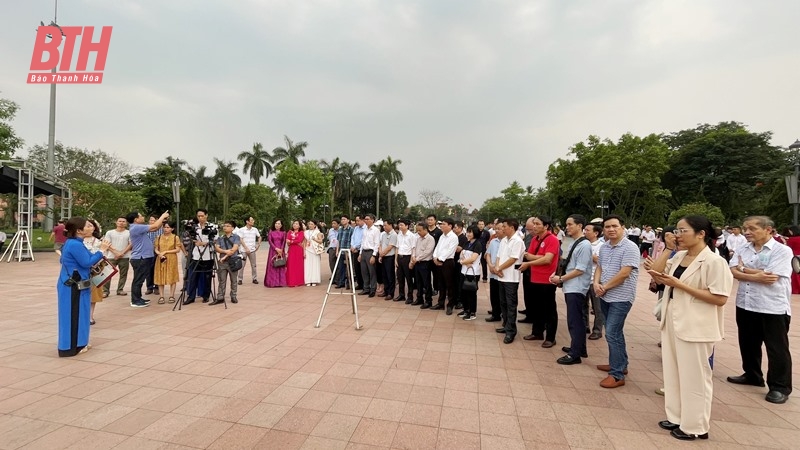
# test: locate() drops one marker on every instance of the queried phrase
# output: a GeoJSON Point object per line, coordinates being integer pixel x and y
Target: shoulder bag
{"type": "Point", "coordinates": [562, 266]}
{"type": "Point", "coordinates": [234, 261]}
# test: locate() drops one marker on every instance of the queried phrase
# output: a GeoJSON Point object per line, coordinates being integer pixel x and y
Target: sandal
{"type": "Point", "coordinates": [161, 300]}
{"type": "Point", "coordinates": [92, 322]}
{"type": "Point", "coordinates": [171, 300]}
{"type": "Point", "coordinates": [85, 349]}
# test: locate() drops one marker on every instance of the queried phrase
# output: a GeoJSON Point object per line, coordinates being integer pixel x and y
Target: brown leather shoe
{"type": "Point", "coordinates": [606, 368]}
{"type": "Point", "coordinates": [610, 382]}
{"type": "Point", "coordinates": [548, 344]}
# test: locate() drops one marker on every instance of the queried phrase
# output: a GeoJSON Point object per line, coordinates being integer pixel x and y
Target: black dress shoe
{"type": "Point", "coordinates": [508, 340]}
{"type": "Point", "coordinates": [567, 360]}
{"type": "Point", "coordinates": [216, 302]}
{"type": "Point", "coordinates": [148, 292]}
{"type": "Point", "coordinates": [400, 298]}
{"type": "Point", "coordinates": [776, 397]}
{"type": "Point", "coordinates": [493, 319]}
{"type": "Point", "coordinates": [595, 336]}
{"type": "Point", "coordinates": [371, 294]}
{"type": "Point", "coordinates": [233, 300]}
{"type": "Point", "coordinates": [449, 311]}
{"type": "Point", "coordinates": [416, 303]}
{"type": "Point", "coordinates": [425, 306]}
{"type": "Point", "coordinates": [437, 308]}
{"type": "Point", "coordinates": [677, 433]}
{"type": "Point", "coordinates": [388, 298]}
{"type": "Point", "coordinates": [410, 301]}
{"type": "Point", "coordinates": [188, 301]}
{"type": "Point", "coordinates": [533, 337]}
{"type": "Point", "coordinates": [569, 349]}
{"type": "Point", "coordinates": [500, 330]}
{"type": "Point", "coordinates": [743, 379]}
{"type": "Point", "coordinates": [359, 288]}
{"type": "Point", "coordinates": [205, 299]}
{"type": "Point", "coordinates": [363, 293]}
{"type": "Point", "coordinates": [667, 425]}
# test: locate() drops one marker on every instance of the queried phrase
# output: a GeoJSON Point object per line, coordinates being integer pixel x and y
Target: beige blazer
{"type": "Point", "coordinates": [692, 319]}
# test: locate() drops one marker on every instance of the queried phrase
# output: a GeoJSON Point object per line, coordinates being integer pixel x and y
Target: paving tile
{"type": "Point", "coordinates": [457, 440]}
{"type": "Point", "coordinates": [374, 432]}
{"type": "Point", "coordinates": [412, 437]}
{"type": "Point", "coordinates": [281, 440]}
{"type": "Point", "coordinates": [336, 426]}
{"type": "Point", "coordinates": [264, 415]}
{"type": "Point", "coordinates": [239, 436]}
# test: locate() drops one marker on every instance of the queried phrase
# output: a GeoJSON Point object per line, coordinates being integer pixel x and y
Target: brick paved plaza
{"type": "Point", "coordinates": [259, 375]}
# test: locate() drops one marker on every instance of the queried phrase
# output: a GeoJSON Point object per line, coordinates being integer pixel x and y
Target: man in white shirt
{"type": "Point", "coordinates": [634, 233]}
{"type": "Point", "coordinates": [119, 254]}
{"type": "Point", "coordinates": [443, 256]}
{"type": "Point", "coordinates": [648, 237]}
{"type": "Point", "coordinates": [250, 239]}
{"type": "Point", "coordinates": [735, 240]}
{"type": "Point", "coordinates": [386, 257]}
{"type": "Point", "coordinates": [764, 308]}
{"type": "Point", "coordinates": [592, 232]}
{"type": "Point", "coordinates": [509, 255]}
{"type": "Point", "coordinates": [367, 257]}
{"type": "Point", "coordinates": [421, 257]}
{"type": "Point", "coordinates": [406, 241]}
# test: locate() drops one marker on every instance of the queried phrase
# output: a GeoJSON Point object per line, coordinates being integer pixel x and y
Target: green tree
{"type": "Point", "coordinates": [68, 161]}
{"type": "Point", "coordinates": [335, 169]}
{"type": "Point", "coordinates": [291, 152]}
{"type": "Point", "coordinates": [630, 172]}
{"type": "Point", "coordinates": [515, 201]}
{"type": "Point", "coordinates": [257, 163]}
{"type": "Point", "coordinates": [262, 201]}
{"type": "Point", "coordinates": [9, 141]}
{"type": "Point", "coordinates": [711, 212]}
{"type": "Point", "coordinates": [723, 164]}
{"type": "Point", "coordinates": [225, 175]}
{"type": "Point", "coordinates": [377, 178]}
{"type": "Point", "coordinates": [104, 201]}
{"type": "Point", "coordinates": [306, 183]}
{"type": "Point", "coordinates": [392, 177]}
{"type": "Point", "coordinates": [355, 183]}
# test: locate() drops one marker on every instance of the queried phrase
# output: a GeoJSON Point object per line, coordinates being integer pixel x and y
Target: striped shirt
{"type": "Point", "coordinates": [344, 236]}
{"type": "Point", "coordinates": [611, 260]}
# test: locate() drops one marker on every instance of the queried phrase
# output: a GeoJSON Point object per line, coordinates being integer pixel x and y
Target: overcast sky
{"type": "Point", "coordinates": [470, 95]}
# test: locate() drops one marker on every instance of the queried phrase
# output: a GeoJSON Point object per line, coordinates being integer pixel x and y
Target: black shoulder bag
{"type": "Point", "coordinates": [562, 266]}
{"type": "Point", "coordinates": [234, 261]}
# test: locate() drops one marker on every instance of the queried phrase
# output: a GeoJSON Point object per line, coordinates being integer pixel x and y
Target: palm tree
{"type": "Point", "coordinates": [226, 176]}
{"type": "Point", "coordinates": [257, 163]}
{"type": "Point", "coordinates": [378, 178]}
{"type": "Point", "coordinates": [353, 179]}
{"type": "Point", "coordinates": [335, 169]}
{"type": "Point", "coordinates": [393, 177]}
{"type": "Point", "coordinates": [203, 183]}
{"type": "Point", "coordinates": [291, 153]}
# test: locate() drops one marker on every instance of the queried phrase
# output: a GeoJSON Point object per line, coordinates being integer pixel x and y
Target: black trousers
{"type": "Point", "coordinates": [598, 312]}
{"type": "Point", "coordinates": [388, 275]}
{"type": "Point", "coordinates": [458, 278]}
{"type": "Point", "coordinates": [422, 276]}
{"type": "Point", "coordinates": [359, 277]}
{"type": "Point", "coordinates": [773, 331]}
{"type": "Point", "coordinates": [494, 297]}
{"type": "Point", "coordinates": [436, 273]}
{"type": "Point", "coordinates": [484, 269]}
{"type": "Point", "coordinates": [404, 275]}
{"type": "Point", "coordinates": [508, 306]}
{"type": "Point", "coordinates": [575, 323]}
{"type": "Point", "coordinates": [448, 290]}
{"type": "Point", "coordinates": [545, 314]}
{"type": "Point", "coordinates": [141, 268]}
{"type": "Point", "coordinates": [527, 292]}
{"type": "Point", "coordinates": [150, 282]}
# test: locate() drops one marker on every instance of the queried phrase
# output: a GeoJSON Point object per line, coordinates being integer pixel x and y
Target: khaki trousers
{"type": "Point", "coordinates": [688, 387]}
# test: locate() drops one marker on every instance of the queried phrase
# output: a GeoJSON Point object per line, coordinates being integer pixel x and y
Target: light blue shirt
{"type": "Point", "coordinates": [141, 245]}
{"type": "Point", "coordinates": [581, 260]}
{"type": "Point", "coordinates": [493, 250]}
{"type": "Point", "coordinates": [358, 236]}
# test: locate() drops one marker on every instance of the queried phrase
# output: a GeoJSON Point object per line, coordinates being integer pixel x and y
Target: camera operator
{"type": "Point", "coordinates": [227, 246]}
{"type": "Point", "coordinates": [201, 264]}
{"type": "Point", "coordinates": [142, 254]}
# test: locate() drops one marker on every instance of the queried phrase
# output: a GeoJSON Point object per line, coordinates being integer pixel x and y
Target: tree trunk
{"type": "Point", "coordinates": [389, 201]}
{"type": "Point", "coordinates": [378, 203]}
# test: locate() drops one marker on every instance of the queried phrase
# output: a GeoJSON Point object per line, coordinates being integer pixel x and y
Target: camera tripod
{"type": "Point", "coordinates": [193, 268]}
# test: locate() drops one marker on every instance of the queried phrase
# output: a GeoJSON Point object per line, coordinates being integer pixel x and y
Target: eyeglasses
{"type": "Point", "coordinates": [679, 231]}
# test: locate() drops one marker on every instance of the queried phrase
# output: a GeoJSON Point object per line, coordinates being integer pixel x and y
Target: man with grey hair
{"type": "Point", "coordinates": [763, 308]}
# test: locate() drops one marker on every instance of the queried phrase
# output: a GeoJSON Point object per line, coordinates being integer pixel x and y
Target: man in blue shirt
{"type": "Point", "coordinates": [142, 255]}
{"type": "Point", "coordinates": [355, 248]}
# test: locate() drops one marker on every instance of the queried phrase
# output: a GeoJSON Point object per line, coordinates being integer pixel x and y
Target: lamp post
{"type": "Point", "coordinates": [602, 203]}
{"type": "Point", "coordinates": [51, 139]}
{"type": "Point", "coordinates": [176, 197]}
{"type": "Point", "coordinates": [791, 181]}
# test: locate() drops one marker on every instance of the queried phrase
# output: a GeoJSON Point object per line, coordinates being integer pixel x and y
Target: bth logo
{"type": "Point", "coordinates": [48, 41]}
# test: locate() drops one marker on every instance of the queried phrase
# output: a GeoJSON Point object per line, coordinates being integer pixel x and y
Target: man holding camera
{"type": "Point", "coordinates": [227, 246]}
{"type": "Point", "coordinates": [142, 255]}
{"type": "Point", "coordinates": [202, 264]}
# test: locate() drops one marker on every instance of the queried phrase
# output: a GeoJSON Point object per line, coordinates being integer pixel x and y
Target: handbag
{"type": "Point", "coordinates": [235, 263]}
{"type": "Point", "coordinates": [278, 261]}
{"type": "Point", "coordinates": [562, 266]}
{"type": "Point", "coordinates": [102, 272]}
{"type": "Point", "coordinates": [469, 284]}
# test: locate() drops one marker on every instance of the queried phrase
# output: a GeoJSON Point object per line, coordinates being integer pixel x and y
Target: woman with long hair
{"type": "Point", "coordinates": [74, 287]}
{"type": "Point", "coordinates": [276, 276]}
{"type": "Point", "coordinates": [698, 283]}
{"type": "Point", "coordinates": [470, 261]}
{"type": "Point", "coordinates": [314, 249]}
{"type": "Point", "coordinates": [166, 267]}
{"type": "Point", "coordinates": [93, 244]}
{"type": "Point", "coordinates": [296, 254]}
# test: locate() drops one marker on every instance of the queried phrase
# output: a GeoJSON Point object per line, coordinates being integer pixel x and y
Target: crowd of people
{"type": "Point", "coordinates": [595, 263]}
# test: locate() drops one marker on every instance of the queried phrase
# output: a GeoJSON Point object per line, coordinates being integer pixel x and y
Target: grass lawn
{"type": "Point", "coordinates": [39, 239]}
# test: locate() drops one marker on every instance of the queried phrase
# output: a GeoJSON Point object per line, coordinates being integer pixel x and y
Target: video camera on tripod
{"type": "Point", "coordinates": [210, 230]}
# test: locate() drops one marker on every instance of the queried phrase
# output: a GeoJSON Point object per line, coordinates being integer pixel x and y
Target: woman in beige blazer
{"type": "Point", "coordinates": [698, 285]}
